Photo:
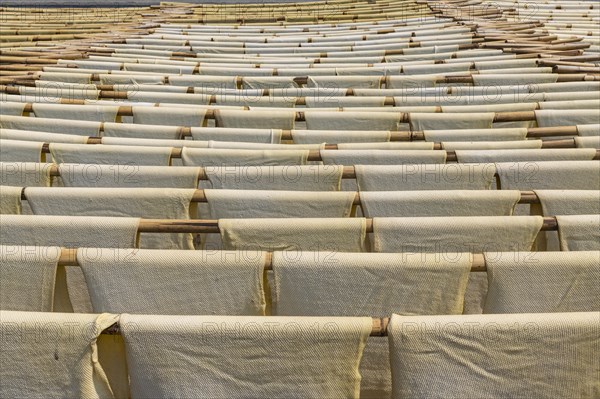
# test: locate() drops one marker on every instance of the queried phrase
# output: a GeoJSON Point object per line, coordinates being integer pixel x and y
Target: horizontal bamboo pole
{"type": "Point", "coordinates": [564, 69]}
{"type": "Point", "coordinates": [27, 60]}
{"type": "Point", "coordinates": [127, 110]}
{"type": "Point", "coordinates": [348, 172]}
{"type": "Point", "coordinates": [303, 80]}
{"type": "Point", "coordinates": [68, 257]}
{"type": "Point", "coordinates": [315, 155]}
{"type": "Point", "coordinates": [199, 196]}
{"type": "Point", "coordinates": [55, 53]}
{"type": "Point", "coordinates": [588, 58]}
{"type": "Point", "coordinates": [378, 329]}
{"type": "Point", "coordinates": [212, 226]}
{"type": "Point", "coordinates": [574, 76]}
{"type": "Point", "coordinates": [181, 55]}
{"type": "Point", "coordinates": [540, 132]}
{"type": "Point", "coordinates": [108, 92]}
{"type": "Point", "coordinates": [185, 54]}
{"type": "Point", "coordinates": [561, 53]}
{"type": "Point", "coordinates": [396, 137]}
{"type": "Point", "coordinates": [551, 62]}
{"type": "Point", "coordinates": [406, 135]}
{"type": "Point", "coordinates": [419, 135]}
{"type": "Point", "coordinates": [213, 99]}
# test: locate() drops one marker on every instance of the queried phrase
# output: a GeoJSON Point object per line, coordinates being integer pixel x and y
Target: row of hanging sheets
{"type": "Point", "coordinates": [51, 26]}
{"type": "Point", "coordinates": [293, 16]}
{"type": "Point", "coordinates": [220, 356]}
{"type": "Point", "coordinates": [243, 140]}
{"type": "Point", "coordinates": [438, 87]}
{"type": "Point", "coordinates": [563, 19]}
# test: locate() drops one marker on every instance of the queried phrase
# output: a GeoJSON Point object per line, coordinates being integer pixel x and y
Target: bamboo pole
{"type": "Point", "coordinates": [408, 135]}
{"type": "Point", "coordinates": [348, 172]}
{"type": "Point", "coordinates": [68, 257]}
{"type": "Point", "coordinates": [127, 110]}
{"type": "Point", "coordinates": [199, 196]}
{"type": "Point", "coordinates": [32, 73]}
{"type": "Point", "coordinates": [106, 92]}
{"type": "Point", "coordinates": [315, 155]}
{"type": "Point", "coordinates": [554, 62]}
{"type": "Point", "coordinates": [378, 329]}
{"type": "Point", "coordinates": [570, 69]}
{"type": "Point", "coordinates": [109, 92]}
{"type": "Point", "coordinates": [588, 58]}
{"type": "Point", "coordinates": [201, 226]}
{"type": "Point", "coordinates": [419, 135]}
